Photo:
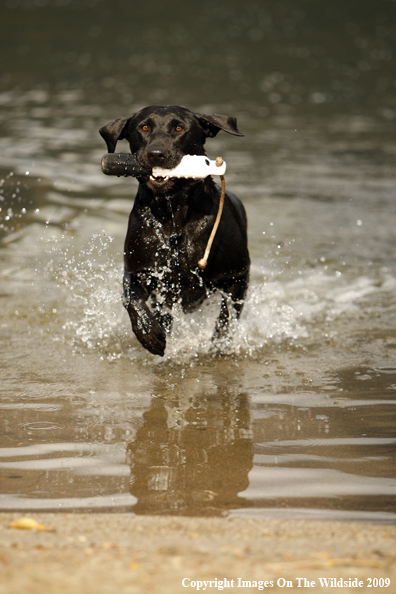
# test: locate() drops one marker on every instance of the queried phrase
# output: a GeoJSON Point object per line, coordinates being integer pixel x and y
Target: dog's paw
{"type": "Point", "coordinates": [222, 338]}
{"type": "Point", "coordinates": [219, 346]}
{"type": "Point", "coordinates": [148, 331]}
{"type": "Point", "coordinates": [155, 342]}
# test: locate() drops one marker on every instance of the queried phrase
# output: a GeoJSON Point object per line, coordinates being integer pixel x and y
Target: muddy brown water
{"type": "Point", "coordinates": [297, 419]}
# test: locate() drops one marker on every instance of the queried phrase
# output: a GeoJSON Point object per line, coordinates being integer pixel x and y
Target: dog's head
{"type": "Point", "coordinates": [160, 136]}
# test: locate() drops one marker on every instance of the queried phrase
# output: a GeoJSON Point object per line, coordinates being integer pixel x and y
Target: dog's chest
{"type": "Point", "coordinates": [164, 255]}
{"type": "Point", "coordinates": [158, 244]}
{"type": "Point", "coordinates": [173, 272]}
{"type": "Point", "coordinates": [172, 258]}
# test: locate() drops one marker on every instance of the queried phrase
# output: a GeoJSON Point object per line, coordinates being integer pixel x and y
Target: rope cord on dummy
{"type": "Point", "coordinates": [204, 261]}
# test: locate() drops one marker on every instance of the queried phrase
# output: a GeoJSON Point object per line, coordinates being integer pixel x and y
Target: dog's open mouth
{"type": "Point", "coordinates": [160, 181]}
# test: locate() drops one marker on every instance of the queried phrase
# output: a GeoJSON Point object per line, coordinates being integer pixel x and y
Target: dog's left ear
{"type": "Point", "coordinates": [212, 124]}
{"type": "Point", "coordinates": [114, 131]}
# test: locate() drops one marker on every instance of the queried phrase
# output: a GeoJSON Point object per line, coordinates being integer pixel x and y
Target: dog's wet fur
{"type": "Point", "coordinates": [170, 224]}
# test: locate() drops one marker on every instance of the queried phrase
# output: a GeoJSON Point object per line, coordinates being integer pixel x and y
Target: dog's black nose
{"type": "Point", "coordinates": [156, 155]}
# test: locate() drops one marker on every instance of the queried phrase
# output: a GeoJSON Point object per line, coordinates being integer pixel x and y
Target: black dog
{"type": "Point", "coordinates": [171, 221]}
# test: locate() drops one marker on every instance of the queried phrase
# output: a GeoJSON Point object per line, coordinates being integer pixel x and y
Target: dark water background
{"type": "Point", "coordinates": [298, 419]}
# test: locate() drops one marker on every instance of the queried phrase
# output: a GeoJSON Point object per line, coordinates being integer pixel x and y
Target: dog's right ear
{"type": "Point", "coordinates": [114, 131]}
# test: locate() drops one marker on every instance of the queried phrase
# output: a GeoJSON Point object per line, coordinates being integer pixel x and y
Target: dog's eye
{"type": "Point", "coordinates": [179, 128]}
{"type": "Point", "coordinates": [145, 128]}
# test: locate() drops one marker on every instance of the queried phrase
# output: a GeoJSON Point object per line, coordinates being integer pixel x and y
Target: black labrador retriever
{"type": "Point", "coordinates": [171, 222]}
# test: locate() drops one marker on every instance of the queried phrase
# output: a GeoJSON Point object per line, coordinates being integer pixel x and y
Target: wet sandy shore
{"type": "Point", "coordinates": [107, 553]}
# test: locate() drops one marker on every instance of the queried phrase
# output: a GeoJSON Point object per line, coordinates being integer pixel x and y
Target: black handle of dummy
{"type": "Point", "coordinates": [123, 164]}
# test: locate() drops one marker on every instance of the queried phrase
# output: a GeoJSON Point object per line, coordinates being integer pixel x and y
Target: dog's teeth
{"type": "Point", "coordinates": [159, 178]}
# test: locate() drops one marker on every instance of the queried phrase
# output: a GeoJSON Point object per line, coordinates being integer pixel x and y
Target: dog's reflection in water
{"type": "Point", "coordinates": [192, 458]}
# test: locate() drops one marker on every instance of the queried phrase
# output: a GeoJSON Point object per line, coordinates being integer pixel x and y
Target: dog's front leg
{"type": "Point", "coordinates": [233, 295]}
{"type": "Point", "coordinates": [222, 321]}
{"type": "Point", "coordinates": [146, 327]}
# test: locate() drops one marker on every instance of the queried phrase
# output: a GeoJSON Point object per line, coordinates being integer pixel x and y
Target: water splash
{"type": "Point", "coordinates": [278, 311]}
